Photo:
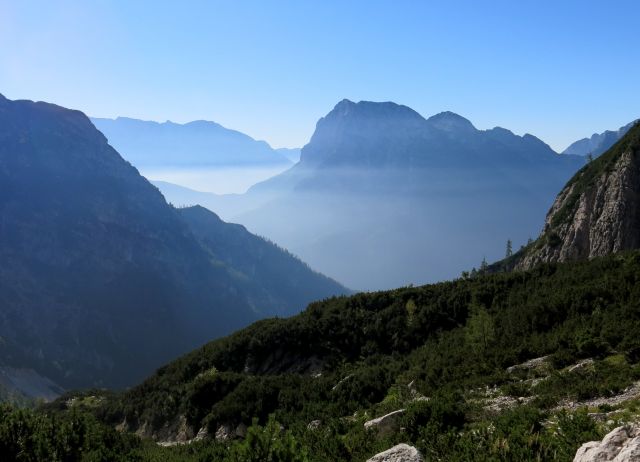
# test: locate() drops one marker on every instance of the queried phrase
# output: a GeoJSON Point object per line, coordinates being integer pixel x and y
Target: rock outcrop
{"type": "Point", "coordinates": [399, 453]}
{"type": "Point", "coordinates": [224, 433]}
{"type": "Point", "coordinates": [598, 211]}
{"type": "Point", "coordinates": [620, 445]}
{"type": "Point", "coordinates": [386, 424]}
{"type": "Point", "coordinates": [176, 431]}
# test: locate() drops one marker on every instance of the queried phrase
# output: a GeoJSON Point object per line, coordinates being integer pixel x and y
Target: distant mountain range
{"type": "Point", "coordinates": [383, 197]}
{"type": "Point", "coordinates": [101, 280]}
{"type": "Point", "coordinates": [598, 142]}
{"type": "Point", "coordinates": [195, 144]}
{"type": "Point", "coordinates": [391, 358]}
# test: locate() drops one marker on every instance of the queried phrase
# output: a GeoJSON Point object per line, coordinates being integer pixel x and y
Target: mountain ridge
{"type": "Point", "coordinates": [97, 264]}
{"type": "Point", "coordinates": [598, 143]}
{"type": "Point", "coordinates": [384, 189]}
{"type": "Point", "coordinates": [426, 355]}
{"type": "Point", "coordinates": [199, 143]}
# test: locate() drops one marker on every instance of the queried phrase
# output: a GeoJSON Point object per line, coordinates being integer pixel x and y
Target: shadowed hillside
{"type": "Point", "coordinates": [102, 280]}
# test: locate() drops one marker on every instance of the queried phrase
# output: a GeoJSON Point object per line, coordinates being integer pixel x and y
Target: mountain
{"type": "Point", "coordinates": [598, 143]}
{"type": "Point", "coordinates": [268, 275]}
{"type": "Point", "coordinates": [524, 365]}
{"type": "Point", "coordinates": [102, 280]}
{"type": "Point", "coordinates": [508, 366]}
{"type": "Point", "coordinates": [181, 196]}
{"type": "Point", "coordinates": [195, 144]}
{"type": "Point", "coordinates": [224, 204]}
{"type": "Point", "coordinates": [383, 197]}
{"type": "Point", "coordinates": [597, 212]}
{"type": "Point", "coordinates": [293, 154]}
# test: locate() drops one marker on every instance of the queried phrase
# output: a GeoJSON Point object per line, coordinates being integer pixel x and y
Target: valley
{"type": "Point", "coordinates": [329, 231]}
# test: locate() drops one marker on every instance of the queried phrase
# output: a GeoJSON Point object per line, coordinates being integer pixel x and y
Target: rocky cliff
{"type": "Point", "coordinates": [597, 212]}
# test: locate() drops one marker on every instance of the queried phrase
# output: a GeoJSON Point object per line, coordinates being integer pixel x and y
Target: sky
{"type": "Point", "coordinates": [560, 70]}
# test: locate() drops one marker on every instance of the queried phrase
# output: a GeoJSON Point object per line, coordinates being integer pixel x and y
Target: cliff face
{"type": "Point", "coordinates": [597, 212]}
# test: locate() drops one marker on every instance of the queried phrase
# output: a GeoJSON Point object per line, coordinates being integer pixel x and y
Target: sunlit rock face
{"type": "Point", "coordinates": [622, 444]}
{"type": "Point", "coordinates": [598, 211]}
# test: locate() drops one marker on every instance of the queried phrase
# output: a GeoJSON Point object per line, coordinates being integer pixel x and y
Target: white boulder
{"type": "Point", "coordinates": [400, 453]}
{"type": "Point", "coordinates": [619, 445]}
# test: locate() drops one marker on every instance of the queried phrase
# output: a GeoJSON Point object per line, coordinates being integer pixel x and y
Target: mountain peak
{"type": "Point", "coordinates": [534, 140]}
{"type": "Point", "coordinates": [344, 103]}
{"type": "Point", "coordinates": [353, 133]}
{"type": "Point", "coordinates": [372, 109]}
{"type": "Point", "coordinates": [598, 143]}
{"type": "Point", "coordinates": [451, 122]}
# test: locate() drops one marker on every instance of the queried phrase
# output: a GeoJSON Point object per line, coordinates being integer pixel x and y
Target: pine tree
{"type": "Point", "coordinates": [509, 248]}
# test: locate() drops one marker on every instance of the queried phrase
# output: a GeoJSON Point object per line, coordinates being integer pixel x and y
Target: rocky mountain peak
{"type": "Point", "coordinates": [597, 212]}
{"type": "Point", "coordinates": [371, 109]}
{"type": "Point", "coordinates": [365, 124]}
{"type": "Point", "coordinates": [451, 122]}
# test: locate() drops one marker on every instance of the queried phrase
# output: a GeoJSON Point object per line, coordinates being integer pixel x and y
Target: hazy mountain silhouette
{"type": "Point", "coordinates": [293, 154]}
{"type": "Point", "coordinates": [102, 280]}
{"type": "Point", "coordinates": [383, 197]}
{"type": "Point", "coordinates": [195, 144]}
{"type": "Point", "coordinates": [598, 142]}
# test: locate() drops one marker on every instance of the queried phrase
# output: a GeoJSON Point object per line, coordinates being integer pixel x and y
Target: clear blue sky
{"type": "Point", "coordinates": [558, 69]}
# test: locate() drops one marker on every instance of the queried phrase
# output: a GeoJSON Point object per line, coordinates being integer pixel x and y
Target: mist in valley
{"type": "Point", "coordinates": [216, 180]}
{"type": "Point", "coordinates": [377, 229]}
{"type": "Point", "coordinates": [383, 197]}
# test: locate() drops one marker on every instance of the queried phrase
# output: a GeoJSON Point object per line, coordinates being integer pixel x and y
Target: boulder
{"type": "Point", "coordinates": [621, 444]}
{"type": "Point", "coordinates": [400, 453]}
{"type": "Point", "coordinates": [630, 451]}
{"type": "Point", "coordinates": [534, 363]}
{"type": "Point", "coordinates": [584, 364]}
{"type": "Point", "coordinates": [386, 424]}
{"type": "Point", "coordinates": [314, 424]}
